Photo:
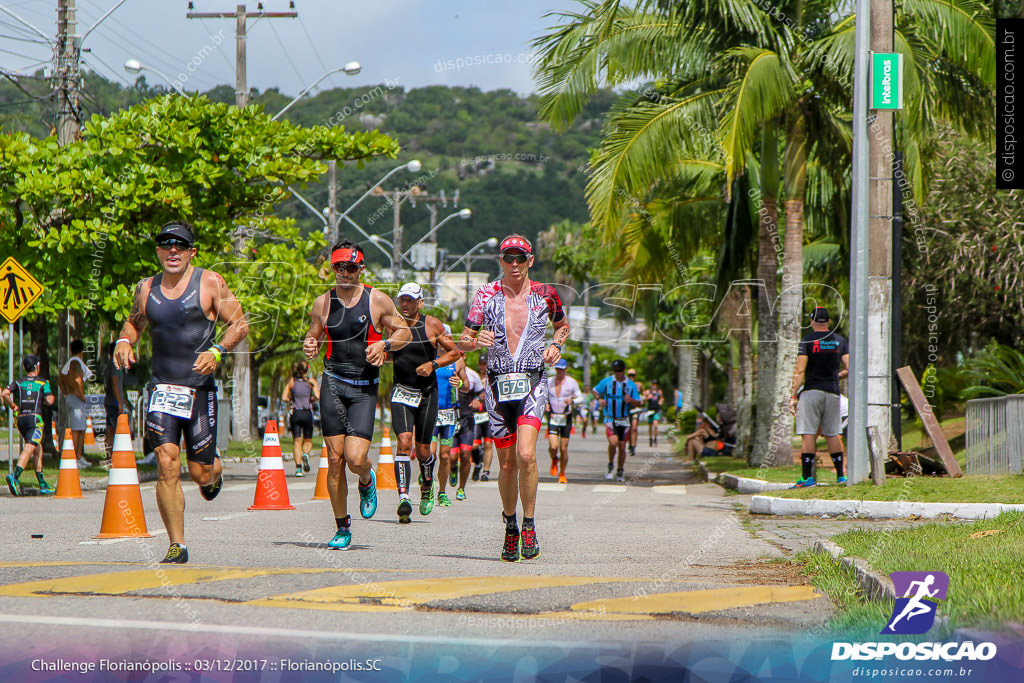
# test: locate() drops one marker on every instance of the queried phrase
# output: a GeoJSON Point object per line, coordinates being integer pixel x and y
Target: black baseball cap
{"type": "Point", "coordinates": [30, 362]}
{"type": "Point", "coordinates": [179, 230]}
{"type": "Point", "coordinates": [820, 315]}
{"type": "Point", "coordinates": [618, 364]}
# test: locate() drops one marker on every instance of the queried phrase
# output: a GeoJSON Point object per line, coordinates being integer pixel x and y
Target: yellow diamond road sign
{"type": "Point", "coordinates": [18, 290]}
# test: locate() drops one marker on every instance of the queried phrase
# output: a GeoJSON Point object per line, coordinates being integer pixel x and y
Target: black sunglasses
{"type": "Point", "coordinates": [346, 267]}
{"type": "Point", "coordinates": [182, 245]}
{"type": "Point", "coordinates": [514, 258]}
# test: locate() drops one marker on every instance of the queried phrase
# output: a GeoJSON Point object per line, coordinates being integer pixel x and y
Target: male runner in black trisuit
{"type": "Point", "coordinates": [26, 397]}
{"type": "Point", "coordinates": [351, 316]}
{"type": "Point", "coordinates": [182, 305]}
{"type": "Point", "coordinates": [414, 396]}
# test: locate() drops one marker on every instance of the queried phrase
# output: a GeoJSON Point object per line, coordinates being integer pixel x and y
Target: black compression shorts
{"type": "Point", "coordinates": [420, 420]}
{"type": "Point", "coordinates": [200, 430]}
{"type": "Point", "coordinates": [466, 434]}
{"type": "Point", "coordinates": [31, 427]}
{"type": "Point", "coordinates": [302, 424]}
{"type": "Point", "coordinates": [564, 431]}
{"type": "Point", "coordinates": [347, 409]}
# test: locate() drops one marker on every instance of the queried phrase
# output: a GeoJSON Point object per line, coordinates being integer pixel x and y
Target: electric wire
{"type": "Point", "coordinates": [287, 55]}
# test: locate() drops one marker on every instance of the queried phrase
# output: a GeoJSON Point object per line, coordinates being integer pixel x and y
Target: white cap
{"type": "Point", "coordinates": [447, 329]}
{"type": "Point", "coordinates": [411, 289]}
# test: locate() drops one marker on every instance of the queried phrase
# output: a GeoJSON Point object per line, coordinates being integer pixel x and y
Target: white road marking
{"type": "Point", "coordinates": [678, 489]}
{"type": "Point", "coordinates": [109, 541]}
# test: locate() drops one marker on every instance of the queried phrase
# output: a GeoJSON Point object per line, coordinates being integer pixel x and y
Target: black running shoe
{"type": "Point", "coordinates": [476, 472]}
{"type": "Point", "coordinates": [485, 476]}
{"type": "Point", "coordinates": [510, 551]}
{"type": "Point", "coordinates": [210, 491]}
{"type": "Point", "coordinates": [176, 554]}
{"type": "Point", "coordinates": [305, 463]}
{"type": "Point", "coordinates": [531, 548]}
{"type": "Point", "coordinates": [404, 511]}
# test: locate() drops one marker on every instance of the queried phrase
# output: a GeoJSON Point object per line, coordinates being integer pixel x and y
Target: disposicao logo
{"type": "Point", "coordinates": [914, 614]}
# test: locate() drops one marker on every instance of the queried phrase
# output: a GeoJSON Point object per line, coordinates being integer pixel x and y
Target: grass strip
{"type": "Point", "coordinates": [973, 489]}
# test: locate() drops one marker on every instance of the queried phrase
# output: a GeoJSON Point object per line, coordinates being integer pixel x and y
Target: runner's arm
{"type": "Point", "coordinates": [554, 349]}
{"type": "Point", "coordinates": [314, 388]}
{"type": "Point", "coordinates": [286, 395]}
{"type": "Point", "coordinates": [452, 353]}
{"type": "Point", "coordinates": [228, 310]}
{"type": "Point", "coordinates": [383, 309]}
{"type": "Point", "coordinates": [315, 333]}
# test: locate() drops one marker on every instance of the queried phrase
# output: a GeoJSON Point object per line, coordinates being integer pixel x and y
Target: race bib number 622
{"type": "Point", "coordinates": [172, 399]}
{"type": "Point", "coordinates": [406, 396]}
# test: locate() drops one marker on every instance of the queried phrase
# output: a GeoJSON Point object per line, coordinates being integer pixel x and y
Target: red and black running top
{"type": "Point", "coordinates": [349, 332]}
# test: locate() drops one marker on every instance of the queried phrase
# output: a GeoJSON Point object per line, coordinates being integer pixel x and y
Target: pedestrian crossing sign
{"type": "Point", "coordinates": [18, 290]}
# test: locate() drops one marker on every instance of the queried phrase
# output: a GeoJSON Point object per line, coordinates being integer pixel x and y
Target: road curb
{"type": "Point", "coordinates": [875, 585]}
{"type": "Point", "coordinates": [748, 485]}
{"type": "Point", "coordinates": [875, 509]}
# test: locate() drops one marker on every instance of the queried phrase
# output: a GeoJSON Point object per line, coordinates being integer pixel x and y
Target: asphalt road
{"type": "Point", "coordinates": [657, 559]}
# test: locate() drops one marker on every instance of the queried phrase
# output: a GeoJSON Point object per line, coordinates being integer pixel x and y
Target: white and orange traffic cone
{"type": "Point", "coordinates": [68, 483]}
{"type": "Point", "coordinates": [53, 431]}
{"type": "Point", "coordinates": [123, 516]}
{"type": "Point", "coordinates": [90, 436]}
{"type": "Point", "coordinates": [271, 483]}
{"type": "Point", "coordinates": [320, 492]}
{"type": "Point", "coordinates": [386, 464]}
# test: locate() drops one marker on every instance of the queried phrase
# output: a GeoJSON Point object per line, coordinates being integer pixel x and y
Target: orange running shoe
{"type": "Point", "coordinates": [554, 469]}
{"type": "Point", "coordinates": [562, 479]}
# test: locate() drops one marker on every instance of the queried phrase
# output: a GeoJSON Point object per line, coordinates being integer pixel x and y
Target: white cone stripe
{"type": "Point", "coordinates": [271, 463]}
{"type": "Point", "coordinates": [385, 458]}
{"type": "Point", "coordinates": [68, 464]}
{"type": "Point", "coordinates": [123, 476]}
{"type": "Point", "coordinates": [323, 463]}
{"type": "Point", "coordinates": [68, 445]}
{"type": "Point", "coordinates": [123, 442]}
{"type": "Point", "coordinates": [271, 439]}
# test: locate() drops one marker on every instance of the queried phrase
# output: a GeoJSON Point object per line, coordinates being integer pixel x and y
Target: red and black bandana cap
{"type": "Point", "coordinates": [515, 243]}
{"type": "Point", "coordinates": [346, 256]}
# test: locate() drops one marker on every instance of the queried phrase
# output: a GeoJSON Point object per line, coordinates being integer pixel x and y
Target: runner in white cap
{"type": "Point", "coordinates": [563, 395]}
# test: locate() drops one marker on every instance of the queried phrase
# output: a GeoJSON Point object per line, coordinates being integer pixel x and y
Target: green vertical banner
{"type": "Point", "coordinates": [886, 80]}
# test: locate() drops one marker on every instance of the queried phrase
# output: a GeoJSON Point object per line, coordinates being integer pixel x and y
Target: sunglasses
{"type": "Point", "coordinates": [169, 244]}
{"type": "Point", "coordinates": [514, 258]}
{"type": "Point", "coordinates": [346, 267]}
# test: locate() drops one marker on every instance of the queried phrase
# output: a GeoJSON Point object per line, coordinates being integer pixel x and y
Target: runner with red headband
{"type": "Point", "coordinates": [510, 318]}
{"type": "Point", "coordinates": [351, 316]}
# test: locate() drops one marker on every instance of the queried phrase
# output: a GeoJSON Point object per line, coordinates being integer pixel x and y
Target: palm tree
{"type": "Point", "coordinates": [729, 81]}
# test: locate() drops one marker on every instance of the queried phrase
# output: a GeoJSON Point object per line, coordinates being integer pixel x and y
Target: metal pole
{"type": "Point", "coordinates": [897, 296]}
{"type": "Point", "coordinates": [586, 333]}
{"type": "Point", "coordinates": [10, 413]}
{"type": "Point", "coordinates": [332, 199]}
{"type": "Point", "coordinates": [469, 260]}
{"type": "Point", "coordinates": [396, 257]}
{"type": "Point", "coordinates": [857, 451]}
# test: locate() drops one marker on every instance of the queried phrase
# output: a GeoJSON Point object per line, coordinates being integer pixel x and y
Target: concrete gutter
{"type": "Point", "coordinates": [875, 509]}
{"type": "Point", "coordinates": [876, 586]}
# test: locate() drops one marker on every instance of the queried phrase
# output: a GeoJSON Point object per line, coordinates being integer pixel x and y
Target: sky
{"type": "Point", "coordinates": [415, 43]}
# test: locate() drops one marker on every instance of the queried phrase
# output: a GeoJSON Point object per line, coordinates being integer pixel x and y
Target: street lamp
{"type": "Point", "coordinates": [350, 69]}
{"type": "Point", "coordinates": [413, 167]}
{"type": "Point", "coordinates": [464, 214]}
{"type": "Point", "coordinates": [490, 242]}
{"type": "Point", "coordinates": [134, 66]}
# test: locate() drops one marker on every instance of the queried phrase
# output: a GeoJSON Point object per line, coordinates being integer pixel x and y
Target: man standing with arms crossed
{"type": "Point", "coordinates": [414, 397]}
{"type": "Point", "coordinates": [351, 316]}
{"type": "Point", "coordinates": [817, 406]}
{"type": "Point", "coordinates": [509, 317]}
{"type": "Point", "coordinates": [182, 305]}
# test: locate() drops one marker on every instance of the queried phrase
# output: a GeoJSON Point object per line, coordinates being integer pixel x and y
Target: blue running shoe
{"type": "Point", "coordinates": [804, 483]}
{"type": "Point", "coordinates": [840, 480]}
{"type": "Point", "coordinates": [453, 478]}
{"type": "Point", "coordinates": [342, 540]}
{"type": "Point", "coordinates": [14, 485]}
{"type": "Point", "coordinates": [45, 489]}
{"type": "Point", "coordinates": [368, 497]}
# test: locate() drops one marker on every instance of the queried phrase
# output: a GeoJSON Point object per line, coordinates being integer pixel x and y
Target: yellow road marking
{"type": "Point", "coordinates": [405, 594]}
{"type": "Point", "coordinates": [694, 602]}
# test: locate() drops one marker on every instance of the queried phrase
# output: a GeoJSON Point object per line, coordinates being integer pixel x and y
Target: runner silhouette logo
{"type": "Point", "coordinates": [914, 613]}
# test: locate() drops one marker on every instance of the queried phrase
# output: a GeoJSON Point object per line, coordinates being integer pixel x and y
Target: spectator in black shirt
{"type": "Point", "coordinates": [817, 405]}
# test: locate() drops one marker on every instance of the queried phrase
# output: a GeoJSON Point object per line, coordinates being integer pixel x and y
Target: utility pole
{"type": "Point", "coordinates": [332, 201]}
{"type": "Point", "coordinates": [243, 417]}
{"type": "Point", "coordinates": [586, 334]}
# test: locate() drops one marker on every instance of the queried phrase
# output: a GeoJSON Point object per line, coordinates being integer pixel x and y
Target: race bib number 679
{"type": "Point", "coordinates": [513, 386]}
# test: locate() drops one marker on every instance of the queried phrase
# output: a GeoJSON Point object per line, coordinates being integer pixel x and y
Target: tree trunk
{"type": "Point", "coordinates": [685, 378]}
{"type": "Point", "coordinates": [744, 404]}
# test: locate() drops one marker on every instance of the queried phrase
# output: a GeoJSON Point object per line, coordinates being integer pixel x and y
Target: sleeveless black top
{"type": "Point", "coordinates": [414, 354]}
{"type": "Point", "coordinates": [180, 332]}
{"type": "Point", "coordinates": [349, 332]}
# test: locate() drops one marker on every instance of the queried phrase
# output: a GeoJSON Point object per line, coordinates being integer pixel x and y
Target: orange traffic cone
{"type": "Point", "coordinates": [90, 436]}
{"type": "Point", "coordinates": [386, 464]}
{"type": "Point", "coordinates": [68, 483]}
{"type": "Point", "coordinates": [320, 492]}
{"type": "Point", "coordinates": [271, 483]}
{"type": "Point", "coordinates": [123, 516]}
{"type": "Point", "coordinates": [53, 431]}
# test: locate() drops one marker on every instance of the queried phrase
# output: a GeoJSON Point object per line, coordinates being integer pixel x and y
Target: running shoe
{"type": "Point", "coordinates": [305, 462]}
{"type": "Point", "coordinates": [476, 472]}
{"type": "Point", "coordinates": [210, 491]}
{"type": "Point", "coordinates": [620, 476]}
{"type": "Point", "coordinates": [176, 554]}
{"type": "Point", "coordinates": [342, 540]}
{"type": "Point", "coordinates": [427, 499]}
{"type": "Point", "coordinates": [14, 485]}
{"type": "Point", "coordinates": [632, 450]}
{"type": "Point", "coordinates": [554, 468]}
{"type": "Point", "coordinates": [368, 497]}
{"type": "Point", "coordinates": [453, 478]}
{"type": "Point", "coordinates": [531, 548]}
{"type": "Point", "coordinates": [485, 476]}
{"type": "Point", "coordinates": [510, 551]}
{"type": "Point", "coordinates": [298, 471]}
{"type": "Point", "coordinates": [460, 494]}
{"type": "Point", "coordinates": [443, 500]}
{"type": "Point", "coordinates": [404, 511]}
{"type": "Point", "coordinates": [562, 479]}
{"type": "Point", "coordinates": [804, 483]}
{"type": "Point", "coordinates": [840, 480]}
{"type": "Point", "coordinates": [45, 489]}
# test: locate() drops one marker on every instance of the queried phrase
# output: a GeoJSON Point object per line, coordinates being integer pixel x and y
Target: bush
{"type": "Point", "coordinates": [686, 422]}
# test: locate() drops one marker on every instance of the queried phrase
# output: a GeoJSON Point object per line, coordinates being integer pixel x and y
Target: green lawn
{"type": "Point", "coordinates": [974, 489]}
{"type": "Point", "coordinates": [984, 570]}
{"type": "Point", "coordinates": [740, 468]}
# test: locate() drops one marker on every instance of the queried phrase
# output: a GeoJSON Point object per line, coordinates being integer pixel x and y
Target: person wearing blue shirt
{"type": "Point", "coordinates": [616, 395]}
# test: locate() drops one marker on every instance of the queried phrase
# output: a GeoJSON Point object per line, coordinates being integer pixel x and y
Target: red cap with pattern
{"type": "Point", "coordinates": [514, 242]}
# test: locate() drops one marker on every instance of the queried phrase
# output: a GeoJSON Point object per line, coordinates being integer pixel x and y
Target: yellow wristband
{"type": "Point", "coordinates": [215, 351]}
{"type": "Point", "coordinates": [459, 385]}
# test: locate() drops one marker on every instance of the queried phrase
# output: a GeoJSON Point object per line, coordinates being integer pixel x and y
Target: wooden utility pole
{"type": "Point", "coordinates": [243, 417]}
